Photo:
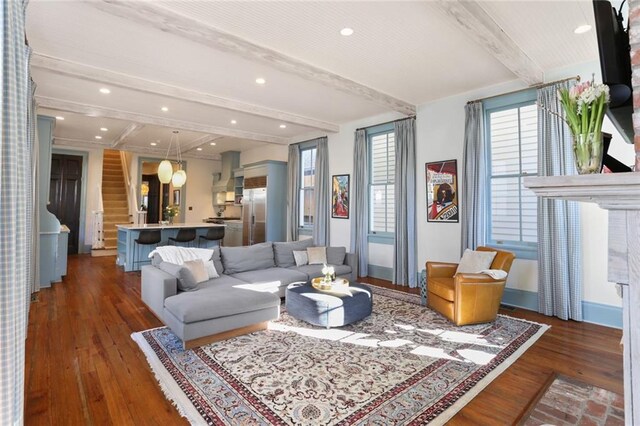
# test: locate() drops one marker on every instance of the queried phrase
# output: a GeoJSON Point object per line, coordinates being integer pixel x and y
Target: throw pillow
{"type": "Point", "coordinates": [335, 255]}
{"type": "Point", "coordinates": [301, 257]}
{"type": "Point", "coordinates": [186, 280]}
{"type": "Point", "coordinates": [317, 255]}
{"type": "Point", "coordinates": [198, 270]}
{"type": "Point", "coordinates": [475, 261]}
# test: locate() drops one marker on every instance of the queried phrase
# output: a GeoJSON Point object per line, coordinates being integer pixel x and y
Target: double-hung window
{"type": "Point", "coordinates": [512, 141]}
{"type": "Point", "coordinates": [307, 183]}
{"type": "Point", "coordinates": [382, 164]}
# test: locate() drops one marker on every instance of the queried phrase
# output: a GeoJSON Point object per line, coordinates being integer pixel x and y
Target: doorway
{"type": "Point", "coordinates": [65, 191]}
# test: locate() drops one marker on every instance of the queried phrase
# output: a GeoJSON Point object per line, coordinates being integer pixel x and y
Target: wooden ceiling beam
{"type": "Point", "coordinates": [472, 19]}
{"type": "Point", "coordinates": [130, 131]}
{"type": "Point", "coordinates": [147, 13]}
{"type": "Point", "coordinates": [98, 111]}
{"type": "Point", "coordinates": [89, 73]}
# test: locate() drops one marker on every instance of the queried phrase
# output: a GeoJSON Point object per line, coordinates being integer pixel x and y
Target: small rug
{"type": "Point", "coordinates": [404, 364]}
{"type": "Point", "coordinates": [571, 402]}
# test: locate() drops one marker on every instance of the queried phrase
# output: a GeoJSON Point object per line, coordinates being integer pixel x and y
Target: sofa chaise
{"type": "Point", "coordinates": [243, 298]}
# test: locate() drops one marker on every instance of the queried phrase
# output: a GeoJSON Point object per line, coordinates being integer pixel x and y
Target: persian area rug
{"type": "Point", "coordinates": [568, 401]}
{"type": "Point", "coordinates": [404, 364]}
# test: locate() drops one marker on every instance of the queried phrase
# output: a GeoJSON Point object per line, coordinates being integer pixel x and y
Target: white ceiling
{"type": "Point", "coordinates": [201, 58]}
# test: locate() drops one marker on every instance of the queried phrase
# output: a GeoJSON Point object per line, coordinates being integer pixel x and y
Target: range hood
{"type": "Point", "coordinates": [230, 161]}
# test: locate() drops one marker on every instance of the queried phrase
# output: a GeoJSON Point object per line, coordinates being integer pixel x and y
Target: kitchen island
{"type": "Point", "coordinates": [127, 234]}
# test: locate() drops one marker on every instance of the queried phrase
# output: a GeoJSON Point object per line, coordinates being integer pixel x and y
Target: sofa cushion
{"type": "Point", "coordinates": [186, 280]}
{"type": "Point", "coordinates": [301, 257]}
{"type": "Point", "coordinates": [217, 260]}
{"type": "Point", "coordinates": [284, 251]}
{"type": "Point", "coordinates": [317, 255]}
{"type": "Point", "coordinates": [280, 277]}
{"type": "Point", "coordinates": [218, 301]}
{"type": "Point", "coordinates": [248, 258]}
{"type": "Point", "coordinates": [315, 271]}
{"type": "Point", "coordinates": [178, 255]}
{"type": "Point", "coordinates": [198, 270]}
{"type": "Point", "coordinates": [335, 255]}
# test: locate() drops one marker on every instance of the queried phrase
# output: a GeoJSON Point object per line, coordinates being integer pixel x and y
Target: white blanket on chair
{"type": "Point", "coordinates": [179, 255]}
{"type": "Point", "coordinates": [496, 274]}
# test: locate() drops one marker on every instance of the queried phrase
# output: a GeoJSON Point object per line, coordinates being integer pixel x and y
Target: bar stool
{"type": "Point", "coordinates": [185, 235]}
{"type": "Point", "coordinates": [213, 234]}
{"type": "Point", "coordinates": [146, 237]}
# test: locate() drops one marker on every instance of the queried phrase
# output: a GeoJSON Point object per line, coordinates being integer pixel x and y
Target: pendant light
{"type": "Point", "coordinates": [165, 169]}
{"type": "Point", "coordinates": [180, 176]}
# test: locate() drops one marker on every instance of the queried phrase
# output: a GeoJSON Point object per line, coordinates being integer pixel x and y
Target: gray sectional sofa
{"type": "Point", "coordinates": [243, 298]}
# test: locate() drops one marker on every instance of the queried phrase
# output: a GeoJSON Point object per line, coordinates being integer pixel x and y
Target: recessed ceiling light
{"type": "Point", "coordinates": [153, 144]}
{"type": "Point", "coordinates": [98, 137]}
{"type": "Point", "coordinates": [164, 109]}
{"type": "Point", "coordinates": [233, 121]}
{"type": "Point", "coordinates": [105, 90]}
{"type": "Point", "coordinates": [104, 129]}
{"type": "Point", "coordinates": [346, 31]}
{"type": "Point", "coordinates": [212, 144]}
{"type": "Point", "coordinates": [59, 117]}
{"type": "Point", "coordinates": [283, 126]}
{"type": "Point", "coordinates": [198, 149]}
{"type": "Point", "coordinates": [582, 29]}
{"type": "Point", "coordinates": [260, 80]}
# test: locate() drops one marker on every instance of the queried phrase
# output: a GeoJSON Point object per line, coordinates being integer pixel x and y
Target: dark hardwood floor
{"type": "Point", "coordinates": [83, 368]}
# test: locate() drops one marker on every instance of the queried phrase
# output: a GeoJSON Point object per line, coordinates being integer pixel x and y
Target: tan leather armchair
{"type": "Point", "coordinates": [467, 298]}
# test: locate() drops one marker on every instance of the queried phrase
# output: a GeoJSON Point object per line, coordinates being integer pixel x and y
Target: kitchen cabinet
{"type": "Point", "coordinates": [232, 234]}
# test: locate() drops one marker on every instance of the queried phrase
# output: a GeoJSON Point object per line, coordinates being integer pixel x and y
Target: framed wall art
{"type": "Point", "coordinates": [340, 196]}
{"type": "Point", "coordinates": [442, 191]}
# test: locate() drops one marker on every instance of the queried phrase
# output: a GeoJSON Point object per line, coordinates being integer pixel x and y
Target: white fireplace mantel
{"type": "Point", "coordinates": [620, 194]}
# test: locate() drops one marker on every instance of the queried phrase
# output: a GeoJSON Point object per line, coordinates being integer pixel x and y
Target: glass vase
{"type": "Point", "coordinates": [587, 152]}
{"type": "Point", "coordinates": [170, 220]}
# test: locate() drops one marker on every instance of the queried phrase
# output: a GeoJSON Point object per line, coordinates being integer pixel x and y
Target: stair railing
{"type": "Point", "coordinates": [98, 223]}
{"type": "Point", "coordinates": [132, 202]}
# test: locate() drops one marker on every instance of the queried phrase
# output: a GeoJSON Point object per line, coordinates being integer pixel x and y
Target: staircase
{"type": "Point", "coordinates": [114, 198]}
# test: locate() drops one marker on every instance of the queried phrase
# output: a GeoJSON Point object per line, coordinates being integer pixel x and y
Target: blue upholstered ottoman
{"type": "Point", "coordinates": [327, 308]}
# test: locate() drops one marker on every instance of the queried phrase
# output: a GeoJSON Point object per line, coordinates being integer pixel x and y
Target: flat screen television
{"type": "Point", "coordinates": [615, 64]}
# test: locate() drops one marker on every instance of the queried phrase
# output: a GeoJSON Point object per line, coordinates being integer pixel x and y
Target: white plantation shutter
{"type": "Point", "coordinates": [382, 182]}
{"type": "Point", "coordinates": [513, 142]}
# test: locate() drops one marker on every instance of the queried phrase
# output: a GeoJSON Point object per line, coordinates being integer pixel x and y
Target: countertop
{"type": "Point", "coordinates": [174, 226]}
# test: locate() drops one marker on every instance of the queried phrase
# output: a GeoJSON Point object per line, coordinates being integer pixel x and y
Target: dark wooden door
{"type": "Point", "coordinates": [64, 194]}
{"type": "Point", "coordinates": [153, 203]}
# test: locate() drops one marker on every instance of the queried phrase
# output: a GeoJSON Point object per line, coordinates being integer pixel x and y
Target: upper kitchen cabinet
{"type": "Point", "coordinates": [224, 190]}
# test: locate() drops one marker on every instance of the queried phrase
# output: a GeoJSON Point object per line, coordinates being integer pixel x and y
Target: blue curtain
{"type": "Point", "coordinates": [559, 254]}
{"type": "Point", "coordinates": [360, 200]}
{"type": "Point", "coordinates": [293, 192]}
{"type": "Point", "coordinates": [16, 230]}
{"type": "Point", "coordinates": [322, 191]}
{"type": "Point", "coordinates": [474, 179]}
{"type": "Point", "coordinates": [404, 260]}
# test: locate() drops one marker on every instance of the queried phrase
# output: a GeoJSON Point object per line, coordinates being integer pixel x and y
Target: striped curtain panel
{"type": "Point", "coordinates": [16, 229]}
{"type": "Point", "coordinates": [474, 179]}
{"type": "Point", "coordinates": [559, 254]}
{"type": "Point", "coordinates": [360, 200]}
{"type": "Point", "coordinates": [322, 189]}
{"type": "Point", "coordinates": [404, 260]}
{"type": "Point", "coordinates": [293, 192]}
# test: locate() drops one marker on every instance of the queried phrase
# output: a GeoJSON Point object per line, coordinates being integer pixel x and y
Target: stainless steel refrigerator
{"type": "Point", "coordinates": [254, 216]}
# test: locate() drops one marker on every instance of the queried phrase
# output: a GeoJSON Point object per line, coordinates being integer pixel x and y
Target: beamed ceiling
{"type": "Point", "coordinates": [201, 59]}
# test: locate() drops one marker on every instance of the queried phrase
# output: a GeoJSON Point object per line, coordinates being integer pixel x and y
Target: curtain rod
{"type": "Point", "coordinates": [535, 86]}
{"type": "Point", "coordinates": [386, 122]}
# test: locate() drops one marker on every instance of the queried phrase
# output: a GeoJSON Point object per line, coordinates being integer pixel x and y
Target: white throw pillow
{"type": "Point", "coordinates": [317, 255]}
{"type": "Point", "coordinates": [301, 257]}
{"type": "Point", "coordinates": [198, 270]}
{"type": "Point", "coordinates": [178, 255]}
{"type": "Point", "coordinates": [475, 261]}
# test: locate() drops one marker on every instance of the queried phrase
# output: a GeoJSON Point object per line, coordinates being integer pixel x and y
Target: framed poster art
{"type": "Point", "coordinates": [442, 191]}
{"type": "Point", "coordinates": [340, 196]}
